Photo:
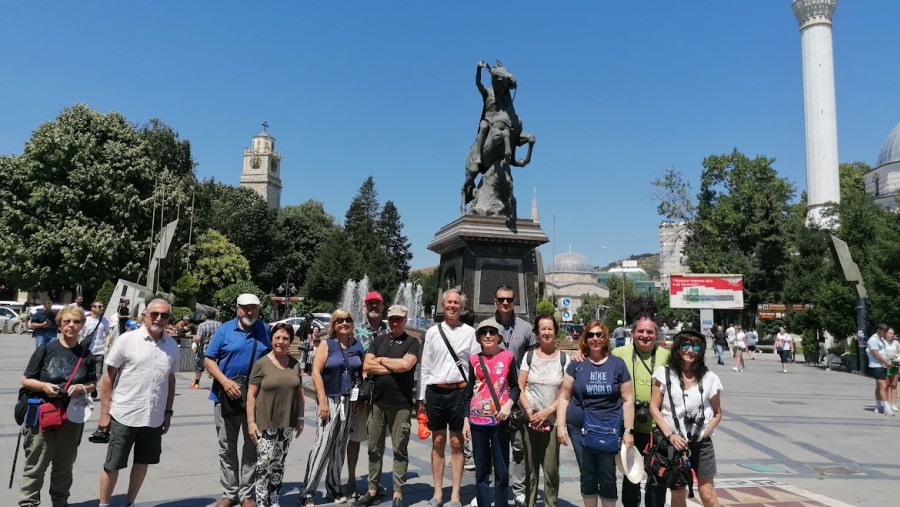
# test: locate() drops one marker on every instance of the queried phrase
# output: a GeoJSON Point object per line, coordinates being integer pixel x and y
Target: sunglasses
{"type": "Point", "coordinates": [488, 332]}
{"type": "Point", "coordinates": [66, 322]}
{"type": "Point", "coordinates": [595, 335]}
{"type": "Point", "coordinates": [341, 320]}
{"type": "Point", "coordinates": [505, 300]}
{"type": "Point", "coordinates": [160, 315]}
{"type": "Point", "coordinates": [687, 346]}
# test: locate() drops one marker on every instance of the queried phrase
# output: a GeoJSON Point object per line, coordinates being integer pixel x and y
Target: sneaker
{"type": "Point", "coordinates": [397, 502]}
{"type": "Point", "coordinates": [888, 410]}
{"type": "Point", "coordinates": [470, 466]}
{"type": "Point", "coordinates": [434, 502]}
{"type": "Point", "coordinates": [894, 408]}
{"type": "Point", "coordinates": [369, 499]}
{"type": "Point", "coordinates": [519, 500]}
{"type": "Point", "coordinates": [783, 371]}
{"type": "Point", "coordinates": [734, 368]}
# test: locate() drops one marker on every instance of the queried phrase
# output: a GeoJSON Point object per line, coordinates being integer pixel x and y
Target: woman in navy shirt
{"type": "Point", "coordinates": [336, 377]}
{"type": "Point", "coordinates": [600, 385]}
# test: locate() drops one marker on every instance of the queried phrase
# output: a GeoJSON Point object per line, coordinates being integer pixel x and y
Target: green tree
{"type": "Point", "coordinates": [301, 232]}
{"type": "Point", "coordinates": [361, 226]}
{"type": "Point", "coordinates": [225, 299]}
{"type": "Point", "coordinates": [428, 279]}
{"type": "Point", "coordinates": [186, 288]}
{"type": "Point", "coordinates": [588, 309]}
{"type": "Point", "coordinates": [543, 306]}
{"type": "Point", "coordinates": [105, 292]}
{"type": "Point", "coordinates": [390, 231]}
{"type": "Point", "coordinates": [335, 263]}
{"type": "Point", "coordinates": [614, 302]}
{"type": "Point", "coordinates": [219, 264]}
{"type": "Point", "coordinates": [80, 197]}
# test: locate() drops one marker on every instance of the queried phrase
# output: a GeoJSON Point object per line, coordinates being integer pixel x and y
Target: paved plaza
{"type": "Point", "coordinates": [806, 438]}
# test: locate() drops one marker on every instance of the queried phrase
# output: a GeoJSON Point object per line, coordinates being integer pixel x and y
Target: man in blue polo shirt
{"type": "Point", "coordinates": [43, 323]}
{"type": "Point", "coordinates": [234, 347]}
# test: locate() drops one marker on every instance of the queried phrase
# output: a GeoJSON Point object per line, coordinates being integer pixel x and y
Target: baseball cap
{"type": "Point", "coordinates": [374, 295]}
{"type": "Point", "coordinates": [248, 299]}
{"type": "Point", "coordinates": [397, 311]}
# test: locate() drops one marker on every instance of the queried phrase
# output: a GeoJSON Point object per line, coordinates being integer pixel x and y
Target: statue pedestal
{"type": "Point", "coordinates": [478, 253]}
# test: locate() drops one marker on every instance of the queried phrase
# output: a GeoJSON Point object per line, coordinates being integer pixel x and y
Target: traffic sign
{"type": "Point", "coordinates": [567, 316]}
{"type": "Point", "coordinates": [566, 302]}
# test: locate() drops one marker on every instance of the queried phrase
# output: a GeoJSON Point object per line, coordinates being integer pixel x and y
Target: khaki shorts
{"type": "Point", "coordinates": [359, 423]}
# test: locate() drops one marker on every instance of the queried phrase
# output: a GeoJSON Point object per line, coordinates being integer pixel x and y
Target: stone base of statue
{"type": "Point", "coordinates": [478, 253]}
{"type": "Point", "coordinates": [494, 194]}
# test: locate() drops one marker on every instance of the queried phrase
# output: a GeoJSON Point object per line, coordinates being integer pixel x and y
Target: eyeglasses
{"type": "Point", "coordinates": [505, 300]}
{"type": "Point", "coordinates": [66, 322]}
{"type": "Point", "coordinates": [595, 335]}
{"type": "Point", "coordinates": [688, 346]}
{"type": "Point", "coordinates": [160, 315]}
{"type": "Point", "coordinates": [341, 320]}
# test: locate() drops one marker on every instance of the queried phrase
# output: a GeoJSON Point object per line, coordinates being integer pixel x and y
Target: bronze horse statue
{"type": "Point", "coordinates": [499, 130]}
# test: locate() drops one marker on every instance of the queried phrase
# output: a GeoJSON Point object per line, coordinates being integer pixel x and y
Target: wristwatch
{"type": "Point", "coordinates": [629, 431]}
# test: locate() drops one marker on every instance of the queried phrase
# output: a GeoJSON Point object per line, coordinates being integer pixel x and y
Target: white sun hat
{"type": "Point", "coordinates": [630, 463]}
{"type": "Point", "coordinates": [80, 409]}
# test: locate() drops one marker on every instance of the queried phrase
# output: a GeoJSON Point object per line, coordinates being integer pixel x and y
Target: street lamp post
{"type": "Point", "coordinates": [624, 317]}
{"type": "Point", "coordinates": [286, 291]}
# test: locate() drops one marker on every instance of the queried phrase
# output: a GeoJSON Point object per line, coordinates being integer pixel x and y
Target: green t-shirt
{"type": "Point", "coordinates": [277, 405]}
{"type": "Point", "coordinates": [642, 377]}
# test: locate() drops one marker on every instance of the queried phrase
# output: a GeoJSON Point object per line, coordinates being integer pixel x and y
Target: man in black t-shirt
{"type": "Point", "coordinates": [720, 342]}
{"type": "Point", "coordinates": [391, 360]}
{"type": "Point", "coordinates": [124, 314]}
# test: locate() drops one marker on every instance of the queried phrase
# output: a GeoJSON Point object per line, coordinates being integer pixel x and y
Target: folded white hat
{"type": "Point", "coordinates": [630, 463]}
{"type": "Point", "coordinates": [80, 409]}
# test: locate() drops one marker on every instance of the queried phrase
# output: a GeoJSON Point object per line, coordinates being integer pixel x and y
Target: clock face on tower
{"type": "Point", "coordinates": [255, 162]}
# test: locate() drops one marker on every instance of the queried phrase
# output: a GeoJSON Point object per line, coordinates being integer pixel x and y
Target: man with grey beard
{"type": "Point", "coordinates": [234, 347]}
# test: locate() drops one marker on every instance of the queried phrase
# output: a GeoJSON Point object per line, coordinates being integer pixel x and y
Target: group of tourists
{"type": "Point", "coordinates": [503, 385]}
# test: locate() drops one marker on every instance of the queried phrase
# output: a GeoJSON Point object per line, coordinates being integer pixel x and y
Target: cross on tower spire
{"type": "Point", "coordinates": [265, 126]}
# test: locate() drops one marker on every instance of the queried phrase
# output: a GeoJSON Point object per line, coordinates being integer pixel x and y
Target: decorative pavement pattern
{"type": "Point", "coordinates": [766, 493]}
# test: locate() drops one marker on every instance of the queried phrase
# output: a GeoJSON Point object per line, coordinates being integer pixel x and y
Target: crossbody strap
{"type": "Point", "coordinates": [672, 403]}
{"type": "Point", "coordinates": [452, 353]}
{"type": "Point", "coordinates": [252, 355]}
{"type": "Point", "coordinates": [490, 383]}
{"type": "Point", "coordinates": [72, 375]}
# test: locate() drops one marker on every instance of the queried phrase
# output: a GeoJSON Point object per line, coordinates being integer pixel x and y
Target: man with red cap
{"type": "Point", "coordinates": [366, 332]}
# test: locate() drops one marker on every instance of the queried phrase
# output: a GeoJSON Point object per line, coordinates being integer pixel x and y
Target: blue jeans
{"type": "Point", "coordinates": [598, 468]}
{"type": "Point", "coordinates": [490, 448]}
{"type": "Point", "coordinates": [719, 352]}
{"type": "Point", "coordinates": [43, 339]}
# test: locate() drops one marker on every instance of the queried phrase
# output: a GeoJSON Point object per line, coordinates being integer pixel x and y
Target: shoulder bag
{"type": "Point", "coordinates": [517, 418]}
{"type": "Point", "coordinates": [52, 413]}
{"type": "Point", "coordinates": [663, 463]}
{"type": "Point", "coordinates": [232, 407]}
{"type": "Point", "coordinates": [600, 434]}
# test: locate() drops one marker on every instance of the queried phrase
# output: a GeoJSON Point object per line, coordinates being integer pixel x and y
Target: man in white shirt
{"type": "Point", "coordinates": [730, 333]}
{"type": "Point", "coordinates": [136, 399]}
{"type": "Point", "coordinates": [95, 332]}
{"type": "Point", "coordinates": [441, 393]}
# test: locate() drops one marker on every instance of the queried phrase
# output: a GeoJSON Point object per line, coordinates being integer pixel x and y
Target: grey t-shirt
{"type": "Point", "coordinates": [277, 403]}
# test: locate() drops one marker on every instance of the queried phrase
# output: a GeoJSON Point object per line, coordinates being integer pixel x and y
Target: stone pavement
{"type": "Point", "coordinates": [806, 438]}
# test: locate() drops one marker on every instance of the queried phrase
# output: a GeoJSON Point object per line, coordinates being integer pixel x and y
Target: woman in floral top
{"type": "Point", "coordinates": [490, 441]}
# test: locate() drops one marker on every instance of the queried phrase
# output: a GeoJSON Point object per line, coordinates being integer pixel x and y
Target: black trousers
{"type": "Point", "coordinates": [654, 496]}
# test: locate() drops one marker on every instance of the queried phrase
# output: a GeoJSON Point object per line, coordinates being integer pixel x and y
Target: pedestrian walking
{"type": "Point", "coordinates": [892, 354]}
{"type": "Point", "coordinates": [720, 342]}
{"type": "Point", "coordinates": [740, 345]}
{"type": "Point", "coordinates": [878, 365]}
{"type": "Point", "coordinates": [784, 345]}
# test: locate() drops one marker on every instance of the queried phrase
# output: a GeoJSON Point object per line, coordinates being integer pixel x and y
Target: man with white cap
{"type": "Point", "coordinates": [233, 349]}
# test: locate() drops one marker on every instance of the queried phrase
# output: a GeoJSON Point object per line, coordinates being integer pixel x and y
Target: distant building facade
{"type": "Point", "coordinates": [262, 168]}
{"type": "Point", "coordinates": [672, 260]}
{"type": "Point", "coordinates": [570, 276]}
{"type": "Point", "coordinates": [643, 285]}
{"type": "Point", "coordinates": [883, 182]}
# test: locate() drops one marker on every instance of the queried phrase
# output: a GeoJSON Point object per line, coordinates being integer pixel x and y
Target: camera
{"type": "Point", "coordinates": [99, 437]}
{"type": "Point", "coordinates": [642, 412]}
{"type": "Point", "coordinates": [693, 426]}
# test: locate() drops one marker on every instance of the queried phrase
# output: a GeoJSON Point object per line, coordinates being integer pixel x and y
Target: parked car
{"type": "Point", "coordinates": [9, 319]}
{"type": "Point", "coordinates": [574, 330]}
{"type": "Point", "coordinates": [320, 320]}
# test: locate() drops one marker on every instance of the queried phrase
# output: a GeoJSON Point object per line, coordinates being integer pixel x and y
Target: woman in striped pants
{"type": "Point", "coordinates": [336, 377]}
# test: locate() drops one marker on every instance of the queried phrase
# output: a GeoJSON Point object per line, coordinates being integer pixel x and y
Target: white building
{"type": "Point", "coordinates": [262, 168]}
{"type": "Point", "coordinates": [883, 182]}
{"type": "Point", "coordinates": [570, 276]}
{"type": "Point", "coordinates": [672, 260]}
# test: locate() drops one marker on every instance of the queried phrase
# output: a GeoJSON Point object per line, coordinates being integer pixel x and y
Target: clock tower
{"type": "Point", "coordinates": [262, 168]}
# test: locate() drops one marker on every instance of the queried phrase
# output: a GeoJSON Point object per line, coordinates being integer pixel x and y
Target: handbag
{"type": "Point", "coordinates": [232, 407]}
{"type": "Point", "coordinates": [601, 434]}
{"type": "Point", "coordinates": [666, 465]}
{"type": "Point", "coordinates": [517, 418]}
{"type": "Point", "coordinates": [52, 413]}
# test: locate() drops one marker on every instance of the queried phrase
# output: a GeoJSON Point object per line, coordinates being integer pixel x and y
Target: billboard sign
{"type": "Point", "coordinates": [718, 292]}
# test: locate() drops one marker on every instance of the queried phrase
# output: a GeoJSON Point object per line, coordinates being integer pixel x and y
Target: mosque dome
{"type": "Point", "coordinates": [890, 150]}
{"type": "Point", "coordinates": [571, 262]}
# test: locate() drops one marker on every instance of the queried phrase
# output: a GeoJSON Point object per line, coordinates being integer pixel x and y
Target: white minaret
{"type": "Point", "coordinates": [820, 118]}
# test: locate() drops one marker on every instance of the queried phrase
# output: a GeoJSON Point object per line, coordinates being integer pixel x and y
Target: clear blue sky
{"type": "Point", "coordinates": [616, 93]}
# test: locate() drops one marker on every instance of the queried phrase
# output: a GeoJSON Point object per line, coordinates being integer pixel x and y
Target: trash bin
{"type": "Point", "coordinates": [187, 355]}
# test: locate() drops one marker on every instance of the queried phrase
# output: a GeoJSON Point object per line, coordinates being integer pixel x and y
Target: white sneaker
{"type": "Point", "coordinates": [734, 368]}
{"type": "Point", "coordinates": [894, 408]}
{"type": "Point", "coordinates": [887, 410]}
{"type": "Point", "coordinates": [520, 499]}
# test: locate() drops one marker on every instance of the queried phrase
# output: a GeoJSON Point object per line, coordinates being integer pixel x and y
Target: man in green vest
{"type": "Point", "coordinates": [642, 356]}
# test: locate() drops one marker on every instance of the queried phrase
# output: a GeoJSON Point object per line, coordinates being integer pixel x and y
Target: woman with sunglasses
{"type": "Point", "coordinates": [601, 386]}
{"type": "Point", "coordinates": [498, 385]}
{"type": "Point", "coordinates": [336, 378]}
{"type": "Point", "coordinates": [62, 369]}
{"type": "Point", "coordinates": [692, 392]}
{"type": "Point", "coordinates": [540, 379]}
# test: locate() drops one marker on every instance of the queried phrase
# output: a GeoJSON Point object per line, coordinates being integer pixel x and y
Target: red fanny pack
{"type": "Point", "coordinates": [52, 414]}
